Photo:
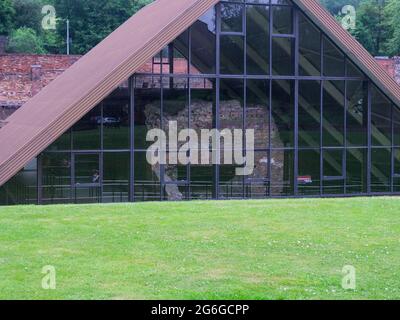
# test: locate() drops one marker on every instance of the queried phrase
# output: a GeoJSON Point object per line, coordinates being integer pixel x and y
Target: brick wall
{"type": "Point", "coordinates": [391, 65]}
{"type": "Point", "coordinates": [22, 76]}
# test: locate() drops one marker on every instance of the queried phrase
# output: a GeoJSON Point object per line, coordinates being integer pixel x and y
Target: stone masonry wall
{"type": "Point", "coordinates": [231, 112]}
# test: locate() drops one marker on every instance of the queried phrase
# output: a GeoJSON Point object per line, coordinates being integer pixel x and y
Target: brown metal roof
{"type": "Point", "coordinates": [62, 103]}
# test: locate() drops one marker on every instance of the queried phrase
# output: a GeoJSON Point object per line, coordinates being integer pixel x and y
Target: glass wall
{"type": "Point", "coordinates": [320, 127]}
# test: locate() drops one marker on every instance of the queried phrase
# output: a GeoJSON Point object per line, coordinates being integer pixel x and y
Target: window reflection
{"type": "Point", "coordinates": [257, 39]}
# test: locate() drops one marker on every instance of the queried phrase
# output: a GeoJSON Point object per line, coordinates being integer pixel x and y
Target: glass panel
{"type": "Point", "coordinates": [309, 113]}
{"type": "Point", "coordinates": [147, 179]}
{"type": "Point", "coordinates": [381, 124]}
{"type": "Point", "coordinates": [22, 188]}
{"type": "Point", "coordinates": [203, 44]}
{"type": "Point", "coordinates": [56, 178]}
{"type": "Point", "coordinates": [62, 143]}
{"type": "Point", "coordinates": [356, 171]}
{"type": "Point", "coordinates": [87, 169]}
{"type": "Point", "coordinates": [282, 56]}
{"type": "Point", "coordinates": [147, 109]}
{"type": "Point", "coordinates": [396, 126]}
{"type": "Point", "coordinates": [202, 104]}
{"type": "Point", "coordinates": [175, 107]}
{"type": "Point", "coordinates": [396, 170]}
{"type": "Point", "coordinates": [231, 17]}
{"type": "Point", "coordinates": [257, 40]}
{"type": "Point", "coordinates": [352, 70]}
{"type": "Point", "coordinates": [201, 182]}
{"type": "Point", "coordinates": [357, 109]}
{"type": "Point", "coordinates": [179, 49]}
{"type": "Point", "coordinates": [176, 186]}
{"type": "Point", "coordinates": [333, 113]}
{"type": "Point", "coordinates": [309, 48]}
{"type": "Point", "coordinates": [282, 20]}
{"type": "Point", "coordinates": [309, 172]}
{"type": "Point", "coordinates": [396, 184]}
{"type": "Point", "coordinates": [230, 184]}
{"type": "Point", "coordinates": [116, 120]}
{"type": "Point", "coordinates": [380, 169]}
{"type": "Point", "coordinates": [231, 104]}
{"type": "Point", "coordinates": [175, 173]}
{"type": "Point", "coordinates": [333, 60]}
{"type": "Point", "coordinates": [202, 117]}
{"type": "Point", "coordinates": [116, 177]}
{"type": "Point", "coordinates": [86, 133]}
{"type": "Point", "coordinates": [282, 173]}
{"type": "Point", "coordinates": [257, 184]}
{"type": "Point", "coordinates": [257, 111]}
{"type": "Point", "coordinates": [232, 55]}
{"type": "Point", "coordinates": [282, 131]}
{"type": "Point", "coordinates": [333, 172]}
{"type": "Point", "coordinates": [396, 155]}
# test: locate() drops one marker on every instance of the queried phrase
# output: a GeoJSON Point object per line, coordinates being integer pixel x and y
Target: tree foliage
{"type": "Point", "coordinates": [92, 20]}
{"type": "Point", "coordinates": [25, 40]}
{"type": "Point", "coordinates": [335, 6]}
{"type": "Point", "coordinates": [392, 14]}
{"type": "Point", "coordinates": [29, 14]}
{"type": "Point", "coordinates": [371, 28]}
{"type": "Point", "coordinates": [7, 14]}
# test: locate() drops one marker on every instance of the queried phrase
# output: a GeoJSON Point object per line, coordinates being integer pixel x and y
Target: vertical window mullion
{"type": "Point", "coordinates": [392, 151]}
{"type": "Point", "coordinates": [132, 140]}
{"type": "Point", "coordinates": [101, 154]}
{"type": "Point", "coordinates": [369, 138]}
{"type": "Point", "coordinates": [244, 111]}
{"type": "Point", "coordinates": [321, 119]}
{"type": "Point", "coordinates": [162, 168]}
{"type": "Point", "coordinates": [39, 182]}
{"type": "Point", "coordinates": [296, 105]}
{"type": "Point", "coordinates": [217, 96]}
{"type": "Point", "coordinates": [345, 135]}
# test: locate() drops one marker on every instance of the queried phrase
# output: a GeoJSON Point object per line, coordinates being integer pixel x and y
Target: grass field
{"type": "Point", "coordinates": [275, 249]}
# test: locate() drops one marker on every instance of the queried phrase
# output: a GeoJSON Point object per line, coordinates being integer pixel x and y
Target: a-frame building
{"type": "Point", "coordinates": [326, 116]}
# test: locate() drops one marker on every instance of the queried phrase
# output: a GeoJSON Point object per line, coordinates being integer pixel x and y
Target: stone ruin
{"type": "Point", "coordinates": [231, 115]}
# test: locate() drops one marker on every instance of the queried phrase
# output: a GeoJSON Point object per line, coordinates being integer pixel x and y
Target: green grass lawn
{"type": "Point", "coordinates": [274, 249]}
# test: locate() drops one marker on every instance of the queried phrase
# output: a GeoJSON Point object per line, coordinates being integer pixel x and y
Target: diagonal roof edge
{"type": "Point", "coordinates": [64, 101]}
{"type": "Point", "coordinates": [351, 47]}
{"type": "Point", "coordinates": [56, 108]}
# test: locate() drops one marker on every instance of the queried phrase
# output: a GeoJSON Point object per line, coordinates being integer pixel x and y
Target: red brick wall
{"type": "Point", "coordinates": [22, 76]}
{"type": "Point", "coordinates": [387, 64]}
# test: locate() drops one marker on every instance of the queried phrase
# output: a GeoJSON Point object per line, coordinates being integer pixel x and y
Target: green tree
{"type": "Point", "coordinates": [92, 20]}
{"type": "Point", "coordinates": [371, 26]}
{"type": "Point", "coordinates": [335, 6]}
{"type": "Point", "coordinates": [7, 14]}
{"type": "Point", "coordinates": [25, 40]}
{"type": "Point", "coordinates": [392, 14]}
{"type": "Point", "coordinates": [28, 14]}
